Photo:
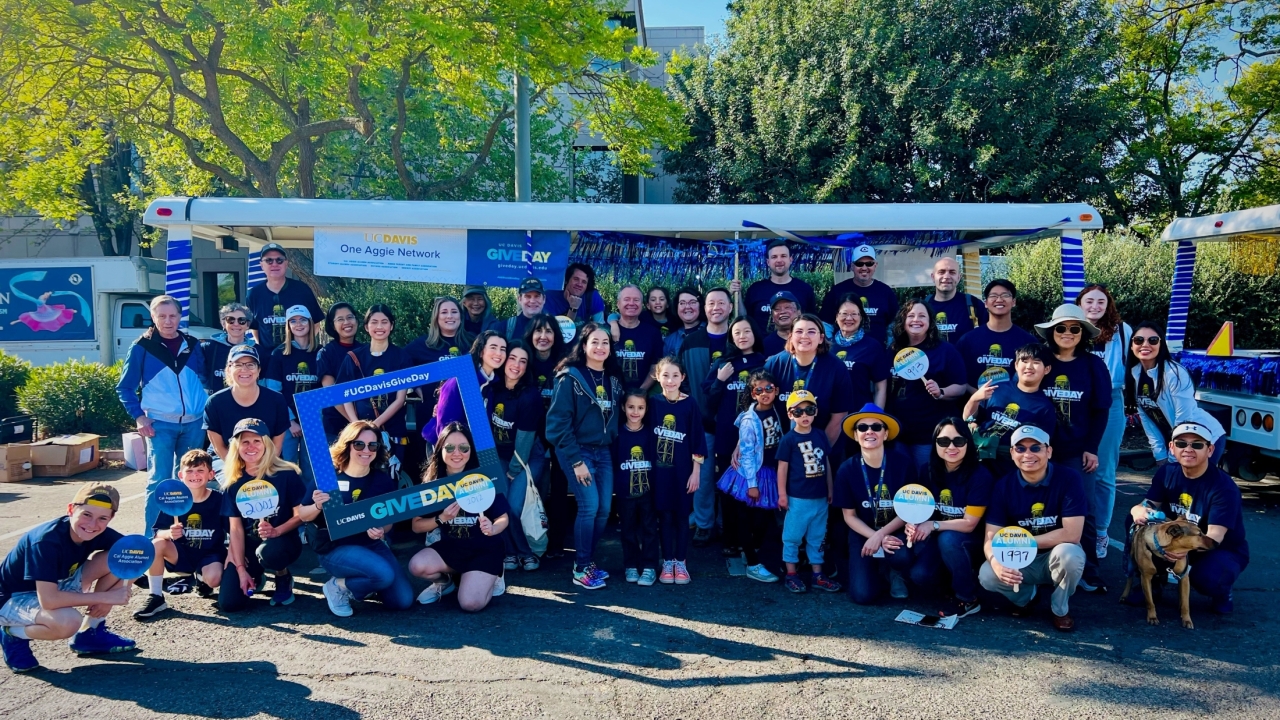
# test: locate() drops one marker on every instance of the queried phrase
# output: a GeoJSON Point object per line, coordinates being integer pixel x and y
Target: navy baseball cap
{"type": "Point", "coordinates": [243, 351]}
{"type": "Point", "coordinates": [531, 284]}
{"type": "Point", "coordinates": [783, 295]}
{"type": "Point", "coordinates": [253, 425]}
{"type": "Point", "coordinates": [272, 246]}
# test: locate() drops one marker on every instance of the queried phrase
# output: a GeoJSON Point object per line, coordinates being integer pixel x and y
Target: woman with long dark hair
{"type": "Point", "coordinates": [581, 425]}
{"type": "Point", "coordinates": [659, 310]}
{"type": "Point", "coordinates": [728, 396]}
{"type": "Point", "coordinates": [341, 324]}
{"type": "Point", "coordinates": [546, 349]}
{"type": "Point", "coordinates": [1112, 345]}
{"type": "Point", "coordinates": [937, 395]}
{"type": "Point", "coordinates": [1164, 394]}
{"type": "Point", "coordinates": [514, 408]}
{"type": "Point", "coordinates": [386, 411]}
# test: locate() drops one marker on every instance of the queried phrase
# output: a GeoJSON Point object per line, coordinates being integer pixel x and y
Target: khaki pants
{"type": "Point", "coordinates": [1060, 567]}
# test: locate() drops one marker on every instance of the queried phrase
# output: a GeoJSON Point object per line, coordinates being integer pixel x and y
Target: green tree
{"type": "Point", "coordinates": [897, 101]}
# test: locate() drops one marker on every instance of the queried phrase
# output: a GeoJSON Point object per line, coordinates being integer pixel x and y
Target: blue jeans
{"type": "Point", "coordinates": [594, 502]}
{"type": "Point", "coordinates": [294, 450]}
{"type": "Point", "coordinates": [805, 521]}
{"type": "Point", "coordinates": [1104, 497]}
{"type": "Point", "coordinates": [868, 580]}
{"type": "Point", "coordinates": [171, 442]}
{"type": "Point", "coordinates": [704, 500]}
{"type": "Point", "coordinates": [958, 551]}
{"type": "Point", "coordinates": [514, 538]}
{"type": "Point", "coordinates": [1089, 536]}
{"type": "Point", "coordinates": [370, 569]}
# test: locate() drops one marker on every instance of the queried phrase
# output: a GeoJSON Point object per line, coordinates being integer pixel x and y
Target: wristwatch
{"type": "Point", "coordinates": [936, 526]}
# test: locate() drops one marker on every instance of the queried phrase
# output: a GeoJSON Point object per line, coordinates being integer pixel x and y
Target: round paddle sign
{"type": "Point", "coordinates": [1014, 548]}
{"type": "Point", "coordinates": [130, 557]}
{"type": "Point", "coordinates": [567, 328]}
{"type": "Point", "coordinates": [914, 504]}
{"type": "Point", "coordinates": [174, 498]}
{"type": "Point", "coordinates": [257, 499]}
{"type": "Point", "coordinates": [910, 363]}
{"type": "Point", "coordinates": [995, 375]}
{"type": "Point", "coordinates": [475, 493]}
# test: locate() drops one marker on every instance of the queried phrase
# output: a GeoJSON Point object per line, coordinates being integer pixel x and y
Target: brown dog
{"type": "Point", "coordinates": [1155, 540]}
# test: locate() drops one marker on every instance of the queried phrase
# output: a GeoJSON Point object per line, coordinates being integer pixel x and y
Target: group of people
{"type": "Point", "coordinates": [766, 420]}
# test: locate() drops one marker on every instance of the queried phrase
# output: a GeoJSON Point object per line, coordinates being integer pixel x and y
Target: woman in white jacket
{"type": "Point", "coordinates": [1165, 394]}
{"type": "Point", "coordinates": [1112, 345]}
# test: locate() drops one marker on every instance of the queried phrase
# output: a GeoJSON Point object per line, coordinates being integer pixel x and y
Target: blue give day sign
{"type": "Point", "coordinates": [174, 498]}
{"type": "Point", "coordinates": [130, 557]}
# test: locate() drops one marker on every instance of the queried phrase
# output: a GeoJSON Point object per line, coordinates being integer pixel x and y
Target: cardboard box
{"type": "Point", "coordinates": [15, 463]}
{"type": "Point", "coordinates": [65, 456]}
{"type": "Point", "coordinates": [135, 451]}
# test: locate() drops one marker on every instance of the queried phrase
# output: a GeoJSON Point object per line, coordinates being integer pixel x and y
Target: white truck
{"type": "Point", "coordinates": [58, 309]}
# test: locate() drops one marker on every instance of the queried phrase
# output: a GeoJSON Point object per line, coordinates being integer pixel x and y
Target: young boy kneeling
{"type": "Point", "coordinates": [55, 569]}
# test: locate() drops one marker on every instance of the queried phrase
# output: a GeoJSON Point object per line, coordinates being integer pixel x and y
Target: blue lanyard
{"type": "Point", "coordinates": [866, 483]}
{"type": "Point", "coordinates": [795, 365]}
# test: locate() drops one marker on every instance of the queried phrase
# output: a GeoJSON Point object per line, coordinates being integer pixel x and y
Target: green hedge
{"type": "Point", "coordinates": [75, 396]}
{"type": "Point", "coordinates": [14, 372]}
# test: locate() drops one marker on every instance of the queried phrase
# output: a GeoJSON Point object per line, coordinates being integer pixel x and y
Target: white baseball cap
{"type": "Point", "coordinates": [297, 311]}
{"type": "Point", "coordinates": [864, 250]}
{"type": "Point", "coordinates": [1029, 432]}
{"type": "Point", "coordinates": [1194, 428]}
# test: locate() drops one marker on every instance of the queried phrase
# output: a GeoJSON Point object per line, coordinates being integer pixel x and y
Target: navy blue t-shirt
{"type": "Point", "coordinates": [634, 455]}
{"type": "Point", "coordinates": [511, 412]}
{"type": "Point", "coordinates": [1010, 408]}
{"type": "Point", "coordinates": [1211, 499]}
{"type": "Point", "coordinates": [328, 361]}
{"type": "Point", "coordinates": [878, 300]}
{"type": "Point", "coordinates": [957, 491]}
{"type": "Point", "coordinates": [868, 363]}
{"type": "Point", "coordinates": [727, 399]}
{"type": "Point", "coordinates": [46, 553]}
{"type": "Point", "coordinates": [759, 298]}
{"type": "Point", "coordinates": [204, 529]}
{"type": "Point", "coordinates": [826, 377]}
{"type": "Point", "coordinates": [1039, 508]}
{"type": "Point", "coordinates": [465, 528]}
{"type": "Point", "coordinates": [807, 457]}
{"type": "Point", "coordinates": [918, 411]}
{"type": "Point", "coordinates": [296, 372]}
{"type": "Point", "coordinates": [558, 305]}
{"type": "Point", "coordinates": [636, 350]}
{"type": "Point", "coordinates": [370, 365]}
{"type": "Point", "coordinates": [1080, 390]}
{"type": "Point", "coordinates": [984, 349]}
{"type": "Point", "coordinates": [222, 412]}
{"type": "Point", "coordinates": [269, 309]}
{"type": "Point", "coordinates": [677, 429]}
{"type": "Point", "coordinates": [774, 426]}
{"type": "Point", "coordinates": [773, 344]}
{"type": "Point", "coordinates": [665, 327]}
{"type": "Point", "coordinates": [418, 353]}
{"type": "Point", "coordinates": [292, 494]}
{"type": "Point", "coordinates": [869, 491]}
{"type": "Point", "coordinates": [353, 490]}
{"type": "Point", "coordinates": [958, 316]}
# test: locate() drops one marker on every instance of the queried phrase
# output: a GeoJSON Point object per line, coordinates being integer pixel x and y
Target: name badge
{"type": "Point", "coordinates": [344, 485]}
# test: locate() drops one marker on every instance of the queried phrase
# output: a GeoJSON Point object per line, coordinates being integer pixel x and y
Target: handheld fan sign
{"type": "Point", "coordinates": [914, 504]}
{"type": "Point", "coordinates": [568, 329]}
{"type": "Point", "coordinates": [174, 498]}
{"type": "Point", "coordinates": [257, 499]}
{"type": "Point", "coordinates": [475, 493]}
{"type": "Point", "coordinates": [130, 557]}
{"type": "Point", "coordinates": [910, 364]}
{"type": "Point", "coordinates": [995, 375]}
{"type": "Point", "coordinates": [1014, 548]}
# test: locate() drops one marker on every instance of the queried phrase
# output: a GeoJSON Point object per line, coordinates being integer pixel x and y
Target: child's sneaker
{"type": "Point", "coordinates": [668, 575]}
{"type": "Point", "coordinates": [760, 573]}
{"type": "Point", "coordinates": [682, 573]}
{"type": "Point", "coordinates": [17, 653]}
{"type": "Point", "coordinates": [586, 579]}
{"type": "Point", "coordinates": [283, 594]}
{"type": "Point", "coordinates": [648, 577]}
{"type": "Point", "coordinates": [794, 583]}
{"type": "Point", "coordinates": [633, 575]}
{"type": "Point", "coordinates": [154, 605]}
{"type": "Point", "coordinates": [822, 582]}
{"type": "Point", "coordinates": [509, 563]}
{"type": "Point", "coordinates": [1103, 543]}
{"type": "Point", "coordinates": [531, 563]}
{"type": "Point", "coordinates": [99, 641]}
{"type": "Point", "coordinates": [595, 570]}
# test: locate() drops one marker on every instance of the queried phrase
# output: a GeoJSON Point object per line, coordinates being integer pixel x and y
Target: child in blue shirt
{"type": "Point", "coordinates": [804, 491]}
{"type": "Point", "coordinates": [634, 454]}
{"type": "Point", "coordinates": [999, 408]}
{"type": "Point", "coordinates": [681, 448]}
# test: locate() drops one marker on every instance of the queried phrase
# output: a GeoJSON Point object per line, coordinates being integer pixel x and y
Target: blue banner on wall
{"type": "Point", "coordinates": [54, 305]}
{"type": "Point", "coordinates": [503, 258]}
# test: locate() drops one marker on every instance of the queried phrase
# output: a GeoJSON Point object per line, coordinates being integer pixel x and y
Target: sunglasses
{"type": "Point", "coordinates": [458, 448]}
{"type": "Point", "coordinates": [762, 389]}
{"type": "Point", "coordinates": [943, 442]}
{"type": "Point", "coordinates": [869, 427]}
{"type": "Point", "coordinates": [1024, 449]}
{"type": "Point", "coordinates": [1194, 444]}
{"type": "Point", "coordinates": [235, 320]}
{"type": "Point", "coordinates": [273, 261]}
{"type": "Point", "coordinates": [798, 411]}
{"type": "Point", "coordinates": [1148, 339]}
{"type": "Point", "coordinates": [372, 445]}
{"type": "Point", "coordinates": [1064, 329]}
{"type": "Point", "coordinates": [865, 263]}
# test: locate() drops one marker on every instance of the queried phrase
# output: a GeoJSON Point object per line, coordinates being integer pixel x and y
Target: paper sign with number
{"type": "Point", "coordinates": [1014, 548]}
{"type": "Point", "coordinates": [914, 504]}
{"type": "Point", "coordinates": [910, 363]}
{"type": "Point", "coordinates": [257, 499]}
{"type": "Point", "coordinates": [475, 493]}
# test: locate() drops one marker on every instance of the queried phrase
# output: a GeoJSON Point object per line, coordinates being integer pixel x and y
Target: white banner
{"type": "Point", "coordinates": [438, 256]}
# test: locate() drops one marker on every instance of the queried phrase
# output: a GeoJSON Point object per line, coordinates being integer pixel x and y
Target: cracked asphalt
{"type": "Point", "coordinates": [721, 647]}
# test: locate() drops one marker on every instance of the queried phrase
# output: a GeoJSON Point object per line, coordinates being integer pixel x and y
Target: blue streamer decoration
{"type": "Point", "coordinates": [1248, 375]}
{"type": "Point", "coordinates": [1184, 267]}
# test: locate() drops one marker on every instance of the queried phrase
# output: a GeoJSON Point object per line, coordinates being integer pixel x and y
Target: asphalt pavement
{"type": "Point", "coordinates": [722, 647]}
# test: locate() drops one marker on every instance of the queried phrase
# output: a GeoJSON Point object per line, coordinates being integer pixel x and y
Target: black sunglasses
{"type": "Point", "coordinates": [1148, 339]}
{"type": "Point", "coordinates": [950, 441]}
{"type": "Point", "coordinates": [1195, 444]}
{"type": "Point", "coordinates": [1064, 329]}
{"type": "Point", "coordinates": [274, 261]}
{"type": "Point", "coordinates": [869, 427]}
{"type": "Point", "coordinates": [372, 445]}
{"type": "Point", "coordinates": [865, 264]}
{"type": "Point", "coordinates": [1024, 449]}
{"type": "Point", "coordinates": [235, 320]}
{"type": "Point", "coordinates": [762, 389]}
{"type": "Point", "coordinates": [459, 448]}
{"type": "Point", "coordinates": [798, 411]}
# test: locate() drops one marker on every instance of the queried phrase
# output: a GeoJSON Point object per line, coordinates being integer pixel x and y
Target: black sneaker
{"type": "Point", "coordinates": [959, 608]}
{"type": "Point", "coordinates": [204, 591]}
{"type": "Point", "coordinates": [154, 606]}
{"type": "Point", "coordinates": [701, 537]}
{"type": "Point", "coordinates": [1092, 585]}
{"type": "Point", "coordinates": [181, 585]}
{"type": "Point", "coordinates": [730, 552]}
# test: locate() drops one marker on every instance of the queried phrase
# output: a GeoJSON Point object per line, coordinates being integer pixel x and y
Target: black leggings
{"type": "Point", "coordinates": [273, 555]}
{"type": "Point", "coordinates": [751, 527]}
{"type": "Point", "coordinates": [674, 526]}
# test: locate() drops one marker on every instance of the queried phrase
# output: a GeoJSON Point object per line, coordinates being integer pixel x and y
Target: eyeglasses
{"type": "Point", "coordinates": [869, 427]}
{"type": "Point", "coordinates": [235, 320]}
{"type": "Point", "coordinates": [1024, 449]}
{"type": "Point", "coordinates": [849, 316]}
{"type": "Point", "coordinates": [1000, 296]}
{"type": "Point", "coordinates": [1194, 444]}
{"type": "Point", "coordinates": [762, 389]}
{"type": "Point", "coordinates": [244, 366]}
{"type": "Point", "coordinates": [865, 263]}
{"type": "Point", "coordinates": [458, 448]}
{"type": "Point", "coordinates": [273, 261]}
{"type": "Point", "coordinates": [1064, 329]}
{"type": "Point", "coordinates": [957, 442]}
{"type": "Point", "coordinates": [372, 446]}
{"type": "Point", "coordinates": [1148, 339]}
{"type": "Point", "coordinates": [798, 411]}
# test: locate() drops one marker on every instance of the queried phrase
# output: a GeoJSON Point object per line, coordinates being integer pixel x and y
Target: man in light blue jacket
{"type": "Point", "coordinates": [162, 389]}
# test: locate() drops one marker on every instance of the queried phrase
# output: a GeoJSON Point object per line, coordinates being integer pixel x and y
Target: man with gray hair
{"type": "Point", "coordinates": [162, 389]}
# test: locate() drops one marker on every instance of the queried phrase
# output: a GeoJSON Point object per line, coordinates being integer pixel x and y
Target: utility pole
{"type": "Point", "coordinates": [523, 151]}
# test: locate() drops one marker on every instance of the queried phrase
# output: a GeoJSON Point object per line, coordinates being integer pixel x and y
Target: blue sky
{"type": "Point", "coordinates": [707, 13]}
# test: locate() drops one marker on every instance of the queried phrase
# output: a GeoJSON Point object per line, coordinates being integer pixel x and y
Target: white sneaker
{"type": "Point", "coordinates": [632, 575]}
{"type": "Point", "coordinates": [339, 600]}
{"type": "Point", "coordinates": [435, 591]}
{"type": "Point", "coordinates": [1103, 542]}
{"type": "Point", "coordinates": [432, 538]}
{"type": "Point", "coordinates": [500, 586]}
{"type": "Point", "coordinates": [761, 573]}
{"type": "Point", "coordinates": [897, 586]}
